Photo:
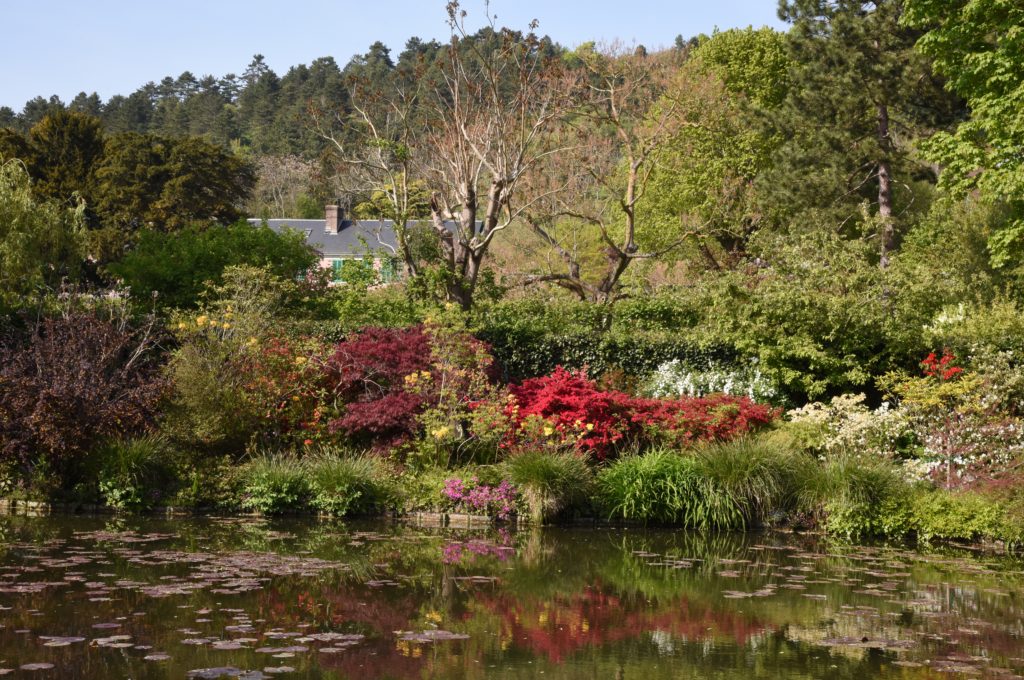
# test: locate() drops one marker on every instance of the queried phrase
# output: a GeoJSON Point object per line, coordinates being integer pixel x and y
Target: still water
{"type": "Point", "coordinates": [236, 598]}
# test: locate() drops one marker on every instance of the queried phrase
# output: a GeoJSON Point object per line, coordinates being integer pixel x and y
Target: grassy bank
{"type": "Point", "coordinates": [744, 485]}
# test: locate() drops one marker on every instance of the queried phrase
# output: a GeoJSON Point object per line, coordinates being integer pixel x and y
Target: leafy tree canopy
{"type": "Point", "coordinates": [177, 266]}
{"type": "Point", "coordinates": [979, 46]}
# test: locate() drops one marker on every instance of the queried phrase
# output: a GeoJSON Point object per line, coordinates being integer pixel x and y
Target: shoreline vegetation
{"type": "Point", "coordinates": [636, 286]}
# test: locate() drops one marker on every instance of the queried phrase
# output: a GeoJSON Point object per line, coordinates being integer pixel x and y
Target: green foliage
{"type": "Point", "coordinates": [347, 485]}
{"type": "Point", "coordinates": [168, 184]}
{"type": "Point", "coordinates": [421, 488]}
{"type": "Point", "coordinates": [550, 482]}
{"type": "Point", "coordinates": [133, 473]}
{"type": "Point", "coordinates": [758, 475]}
{"type": "Point", "coordinates": [966, 516]}
{"type": "Point", "coordinates": [386, 307]}
{"type": "Point", "coordinates": [858, 497]}
{"type": "Point", "coordinates": [175, 267]}
{"type": "Point", "coordinates": [752, 62]}
{"type": "Point", "coordinates": [530, 336]}
{"type": "Point", "coordinates": [39, 241]}
{"type": "Point", "coordinates": [272, 485]}
{"type": "Point", "coordinates": [64, 150]}
{"type": "Point", "coordinates": [976, 44]}
{"type": "Point", "coordinates": [854, 66]}
{"type": "Point", "coordinates": [819, 314]}
{"type": "Point", "coordinates": [207, 482]}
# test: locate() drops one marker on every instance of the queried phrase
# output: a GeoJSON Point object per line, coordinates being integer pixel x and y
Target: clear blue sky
{"type": "Point", "coordinates": [112, 47]}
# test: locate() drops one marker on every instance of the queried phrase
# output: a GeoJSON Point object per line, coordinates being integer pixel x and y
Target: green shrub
{"type": "Point", "coordinates": [530, 337]}
{"type": "Point", "coordinates": [666, 488]}
{"type": "Point", "coordinates": [963, 515]}
{"type": "Point", "coordinates": [549, 482]}
{"type": "Point", "coordinates": [858, 497]}
{"type": "Point", "coordinates": [133, 473]}
{"type": "Point", "coordinates": [208, 481]}
{"type": "Point", "coordinates": [342, 485]}
{"type": "Point", "coordinates": [274, 484]}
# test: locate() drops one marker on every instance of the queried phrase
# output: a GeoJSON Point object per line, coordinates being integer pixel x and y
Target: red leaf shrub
{"type": "Point", "coordinates": [368, 372]}
{"type": "Point", "coordinates": [574, 409]}
{"type": "Point", "coordinates": [74, 381]}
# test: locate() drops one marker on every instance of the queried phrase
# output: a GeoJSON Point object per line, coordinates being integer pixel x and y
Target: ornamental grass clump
{"type": "Point", "coordinates": [665, 487]}
{"type": "Point", "coordinates": [550, 483]}
{"type": "Point", "coordinates": [758, 475]}
{"type": "Point", "coordinates": [856, 497]}
{"type": "Point", "coordinates": [347, 485]}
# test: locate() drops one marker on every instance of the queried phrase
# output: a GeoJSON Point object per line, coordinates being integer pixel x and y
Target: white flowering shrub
{"type": "Point", "coordinates": [676, 379]}
{"type": "Point", "coordinates": [847, 426]}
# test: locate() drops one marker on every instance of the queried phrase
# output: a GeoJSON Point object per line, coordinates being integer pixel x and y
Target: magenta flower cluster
{"type": "Point", "coordinates": [475, 497]}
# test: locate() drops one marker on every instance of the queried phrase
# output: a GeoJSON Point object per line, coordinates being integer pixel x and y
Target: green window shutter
{"type": "Point", "coordinates": [389, 270]}
{"type": "Point", "coordinates": [336, 267]}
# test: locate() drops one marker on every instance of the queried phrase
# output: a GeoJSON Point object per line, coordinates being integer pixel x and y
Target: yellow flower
{"type": "Point", "coordinates": [295, 397]}
{"type": "Point", "coordinates": [590, 426]}
{"type": "Point", "coordinates": [441, 432]}
{"type": "Point", "coordinates": [225, 325]}
{"type": "Point", "coordinates": [201, 320]}
{"type": "Point", "coordinates": [412, 378]}
{"type": "Point", "coordinates": [182, 326]}
{"type": "Point", "coordinates": [300, 361]}
{"type": "Point", "coordinates": [251, 341]}
{"type": "Point", "coordinates": [434, 616]}
{"type": "Point", "coordinates": [548, 430]}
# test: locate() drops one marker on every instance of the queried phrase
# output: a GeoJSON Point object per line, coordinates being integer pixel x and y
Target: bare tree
{"type": "Point", "coordinates": [621, 126]}
{"type": "Point", "coordinates": [280, 181]}
{"type": "Point", "coordinates": [468, 128]}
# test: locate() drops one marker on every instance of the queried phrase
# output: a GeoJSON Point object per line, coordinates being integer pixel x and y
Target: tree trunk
{"type": "Point", "coordinates": [888, 232]}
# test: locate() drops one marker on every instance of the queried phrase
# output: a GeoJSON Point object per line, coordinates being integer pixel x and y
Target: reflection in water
{"type": "Point", "coordinates": [201, 598]}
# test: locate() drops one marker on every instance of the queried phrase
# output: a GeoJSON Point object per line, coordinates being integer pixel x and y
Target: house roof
{"type": "Point", "coordinates": [354, 237]}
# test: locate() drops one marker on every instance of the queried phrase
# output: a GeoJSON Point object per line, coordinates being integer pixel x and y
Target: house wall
{"type": "Point", "coordinates": [378, 265]}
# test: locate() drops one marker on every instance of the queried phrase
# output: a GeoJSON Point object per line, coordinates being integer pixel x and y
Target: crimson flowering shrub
{"type": "Point", "coordinates": [569, 408]}
{"type": "Point", "coordinates": [715, 417]}
{"type": "Point", "coordinates": [942, 368]}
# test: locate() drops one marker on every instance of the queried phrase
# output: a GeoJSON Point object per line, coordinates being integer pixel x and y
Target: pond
{"type": "Point", "coordinates": [88, 597]}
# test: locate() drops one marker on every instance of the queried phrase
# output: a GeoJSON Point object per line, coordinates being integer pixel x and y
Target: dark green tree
{"type": "Point", "coordinates": [859, 96]}
{"type": "Point", "coordinates": [65, 148]}
{"type": "Point", "coordinates": [164, 184]}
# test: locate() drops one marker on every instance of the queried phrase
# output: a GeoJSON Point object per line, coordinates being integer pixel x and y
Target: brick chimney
{"type": "Point", "coordinates": [332, 217]}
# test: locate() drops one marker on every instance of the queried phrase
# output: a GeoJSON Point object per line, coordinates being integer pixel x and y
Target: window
{"type": "Point", "coordinates": [337, 267]}
{"type": "Point", "coordinates": [389, 270]}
